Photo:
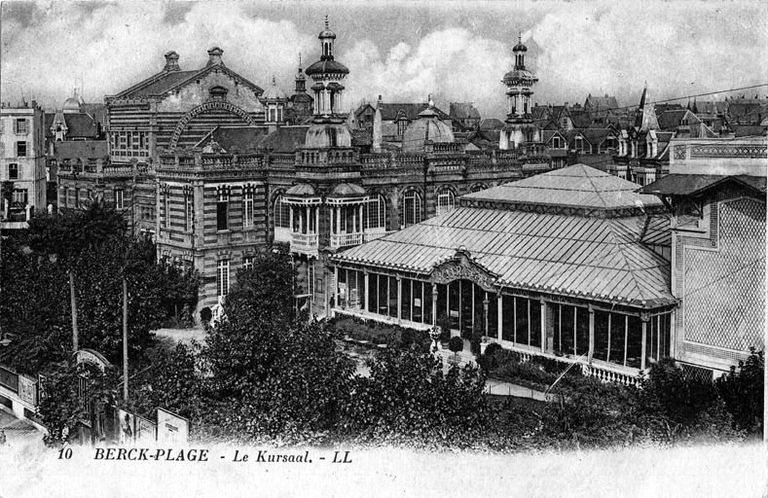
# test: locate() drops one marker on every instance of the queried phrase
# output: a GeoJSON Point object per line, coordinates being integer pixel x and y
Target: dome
{"type": "Point", "coordinates": [519, 75]}
{"type": "Point", "coordinates": [322, 135]}
{"type": "Point", "coordinates": [427, 127]}
{"type": "Point", "coordinates": [71, 104]}
{"type": "Point", "coordinates": [326, 66]}
{"type": "Point", "coordinates": [347, 190]}
{"type": "Point", "coordinates": [327, 33]}
{"type": "Point", "coordinates": [274, 92]}
{"type": "Point", "coordinates": [301, 190]}
{"type": "Point", "coordinates": [519, 47]}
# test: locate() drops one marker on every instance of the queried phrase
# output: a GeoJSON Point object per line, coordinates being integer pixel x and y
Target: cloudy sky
{"type": "Point", "coordinates": [455, 50]}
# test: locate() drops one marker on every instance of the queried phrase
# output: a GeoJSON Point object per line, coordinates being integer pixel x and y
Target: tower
{"type": "Point", "coordinates": [327, 74]}
{"type": "Point", "coordinates": [301, 80]}
{"type": "Point", "coordinates": [519, 127]}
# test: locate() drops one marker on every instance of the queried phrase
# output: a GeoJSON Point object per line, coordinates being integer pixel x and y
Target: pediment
{"type": "Point", "coordinates": [462, 266]}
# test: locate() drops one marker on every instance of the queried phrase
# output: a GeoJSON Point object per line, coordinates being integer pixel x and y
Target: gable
{"type": "Point", "coordinates": [196, 91]}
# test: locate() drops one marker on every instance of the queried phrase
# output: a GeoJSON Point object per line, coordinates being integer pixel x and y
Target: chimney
{"type": "Point", "coordinates": [171, 62]}
{"type": "Point", "coordinates": [214, 56]}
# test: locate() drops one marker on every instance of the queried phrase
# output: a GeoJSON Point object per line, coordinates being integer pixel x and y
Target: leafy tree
{"type": "Point", "coordinates": [408, 398]}
{"type": "Point", "coordinates": [743, 390]}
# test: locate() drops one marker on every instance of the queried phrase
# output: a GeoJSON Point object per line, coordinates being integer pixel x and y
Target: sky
{"type": "Point", "coordinates": [404, 51]}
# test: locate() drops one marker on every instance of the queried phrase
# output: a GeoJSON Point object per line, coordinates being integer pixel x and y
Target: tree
{"type": "Point", "coordinates": [742, 391]}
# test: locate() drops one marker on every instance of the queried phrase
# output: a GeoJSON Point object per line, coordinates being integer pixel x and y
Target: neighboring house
{"type": "Point", "coordinates": [464, 116]}
{"type": "Point", "coordinates": [717, 191]}
{"type": "Point", "coordinates": [22, 164]}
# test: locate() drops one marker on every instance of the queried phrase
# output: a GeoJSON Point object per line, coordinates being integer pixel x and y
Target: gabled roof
{"type": "Point", "coordinates": [580, 119]}
{"type": "Point", "coordinates": [78, 125]}
{"type": "Point", "coordinates": [590, 258]}
{"type": "Point", "coordinates": [166, 81]}
{"type": "Point", "coordinates": [245, 139]}
{"type": "Point", "coordinates": [750, 131]}
{"type": "Point", "coordinates": [491, 124]}
{"type": "Point", "coordinates": [600, 103]}
{"type": "Point", "coordinates": [596, 136]}
{"type": "Point", "coordinates": [83, 149]}
{"type": "Point", "coordinates": [670, 120]}
{"type": "Point", "coordinates": [574, 187]}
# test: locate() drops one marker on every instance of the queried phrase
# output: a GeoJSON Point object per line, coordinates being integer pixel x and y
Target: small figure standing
{"type": "Point", "coordinates": [2, 437]}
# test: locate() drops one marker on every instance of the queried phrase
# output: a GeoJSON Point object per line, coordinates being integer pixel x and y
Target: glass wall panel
{"type": "Point", "coordinates": [601, 335]}
{"type": "Point", "coordinates": [618, 336]}
{"type": "Point", "coordinates": [373, 305]}
{"type": "Point", "coordinates": [427, 303]}
{"type": "Point", "coordinates": [361, 289]}
{"type": "Point", "coordinates": [582, 331]}
{"type": "Point", "coordinates": [453, 303]}
{"type": "Point", "coordinates": [381, 304]}
{"type": "Point", "coordinates": [343, 290]}
{"type": "Point", "coordinates": [479, 320]}
{"type": "Point", "coordinates": [566, 329]}
{"type": "Point", "coordinates": [442, 301]}
{"type": "Point", "coordinates": [535, 319]}
{"type": "Point", "coordinates": [417, 301]}
{"type": "Point", "coordinates": [493, 315]}
{"type": "Point", "coordinates": [634, 342]}
{"type": "Point", "coordinates": [406, 299]}
{"type": "Point", "coordinates": [508, 318]}
{"type": "Point", "coordinates": [521, 321]}
{"type": "Point", "coordinates": [392, 297]}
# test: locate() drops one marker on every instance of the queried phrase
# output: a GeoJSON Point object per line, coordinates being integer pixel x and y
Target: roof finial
{"type": "Point", "coordinates": [429, 100]}
{"type": "Point", "coordinates": [274, 83]}
{"type": "Point", "coordinates": [326, 22]}
{"type": "Point", "coordinates": [299, 60]}
{"type": "Point", "coordinates": [520, 37]}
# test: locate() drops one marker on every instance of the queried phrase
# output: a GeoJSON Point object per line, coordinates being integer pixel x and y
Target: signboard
{"type": "Point", "coordinates": [145, 430]}
{"type": "Point", "coordinates": [171, 428]}
{"type": "Point", "coordinates": [28, 390]}
{"type": "Point", "coordinates": [127, 427]}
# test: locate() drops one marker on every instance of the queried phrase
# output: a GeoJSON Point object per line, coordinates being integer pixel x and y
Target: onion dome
{"type": "Point", "coordinates": [329, 66]}
{"type": "Point", "coordinates": [346, 191]}
{"type": "Point", "coordinates": [519, 47]}
{"type": "Point", "coordinates": [327, 33]}
{"type": "Point", "coordinates": [520, 77]}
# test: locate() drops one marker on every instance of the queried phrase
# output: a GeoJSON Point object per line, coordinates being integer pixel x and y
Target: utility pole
{"type": "Point", "coordinates": [73, 305]}
{"type": "Point", "coordinates": [125, 339]}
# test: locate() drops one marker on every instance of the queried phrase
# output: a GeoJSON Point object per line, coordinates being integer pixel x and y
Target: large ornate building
{"type": "Point", "coordinates": [311, 185]}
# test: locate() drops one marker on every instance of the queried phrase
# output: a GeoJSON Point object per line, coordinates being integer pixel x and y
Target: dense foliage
{"type": "Point", "coordinates": [92, 246]}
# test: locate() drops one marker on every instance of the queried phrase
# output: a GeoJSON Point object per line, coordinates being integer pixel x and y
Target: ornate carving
{"type": "Point", "coordinates": [757, 151]}
{"type": "Point", "coordinates": [679, 151]}
{"type": "Point", "coordinates": [463, 267]}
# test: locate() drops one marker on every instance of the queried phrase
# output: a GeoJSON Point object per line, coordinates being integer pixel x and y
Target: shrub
{"type": "Point", "coordinates": [206, 315]}
{"type": "Point", "coordinates": [445, 327]}
{"type": "Point", "coordinates": [456, 344]}
{"type": "Point", "coordinates": [742, 392]}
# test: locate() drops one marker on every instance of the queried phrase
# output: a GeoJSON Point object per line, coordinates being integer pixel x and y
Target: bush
{"type": "Point", "coordinates": [445, 327]}
{"type": "Point", "coordinates": [742, 392]}
{"type": "Point", "coordinates": [206, 315]}
{"type": "Point", "coordinates": [456, 344]}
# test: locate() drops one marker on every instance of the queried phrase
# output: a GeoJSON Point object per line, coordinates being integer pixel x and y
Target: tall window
{"type": "Point", "coordinates": [119, 199]}
{"type": "Point", "coordinates": [13, 171]}
{"type": "Point", "coordinates": [248, 206]}
{"type": "Point", "coordinates": [248, 262]}
{"type": "Point", "coordinates": [411, 209]}
{"type": "Point", "coordinates": [21, 149]}
{"type": "Point", "coordinates": [445, 201]}
{"type": "Point", "coordinates": [556, 144]}
{"type": "Point", "coordinates": [282, 213]}
{"type": "Point", "coordinates": [222, 277]}
{"type": "Point", "coordinates": [376, 213]}
{"type": "Point", "coordinates": [20, 196]}
{"type": "Point", "coordinates": [189, 209]}
{"type": "Point", "coordinates": [222, 208]}
{"type": "Point", "coordinates": [167, 206]}
{"type": "Point", "coordinates": [20, 126]}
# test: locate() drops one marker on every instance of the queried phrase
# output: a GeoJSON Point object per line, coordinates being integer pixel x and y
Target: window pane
{"type": "Point", "coordinates": [427, 303]}
{"type": "Point", "coordinates": [392, 297]}
{"type": "Point", "coordinates": [453, 303]}
{"type": "Point", "coordinates": [521, 325]}
{"type": "Point", "coordinates": [566, 330]}
{"type": "Point", "coordinates": [601, 335]}
{"type": "Point", "coordinates": [493, 315]}
{"type": "Point", "coordinates": [373, 306]}
{"type": "Point", "coordinates": [405, 302]}
{"type": "Point", "coordinates": [221, 215]}
{"type": "Point", "coordinates": [535, 322]}
{"type": "Point", "coordinates": [417, 302]}
{"type": "Point", "coordinates": [617, 338]}
{"type": "Point", "coordinates": [442, 296]}
{"type": "Point", "coordinates": [508, 319]}
{"type": "Point", "coordinates": [582, 331]}
{"type": "Point", "coordinates": [634, 342]}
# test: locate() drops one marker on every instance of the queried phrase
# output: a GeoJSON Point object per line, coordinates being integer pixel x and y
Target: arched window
{"type": "Point", "coordinates": [376, 213]}
{"type": "Point", "coordinates": [410, 209]}
{"type": "Point", "coordinates": [282, 213]}
{"type": "Point", "coordinates": [477, 187]}
{"type": "Point", "coordinates": [445, 201]}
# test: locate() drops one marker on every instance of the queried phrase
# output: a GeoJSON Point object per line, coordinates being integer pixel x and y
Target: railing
{"type": "Point", "coordinates": [305, 243]}
{"type": "Point", "coordinates": [369, 236]}
{"type": "Point", "coordinates": [607, 374]}
{"type": "Point", "coordinates": [345, 239]}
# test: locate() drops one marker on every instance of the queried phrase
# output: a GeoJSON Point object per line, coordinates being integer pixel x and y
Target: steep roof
{"type": "Point", "coordinates": [285, 139]}
{"type": "Point", "coordinates": [692, 185]}
{"type": "Point", "coordinates": [601, 103]}
{"type": "Point", "coordinates": [83, 149]}
{"type": "Point", "coordinates": [592, 258]}
{"type": "Point", "coordinates": [78, 125]}
{"type": "Point", "coordinates": [574, 187]}
{"type": "Point", "coordinates": [244, 139]}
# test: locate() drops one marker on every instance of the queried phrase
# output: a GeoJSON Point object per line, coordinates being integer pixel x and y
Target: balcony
{"type": "Point", "coordinates": [304, 243]}
{"type": "Point", "coordinates": [339, 240]}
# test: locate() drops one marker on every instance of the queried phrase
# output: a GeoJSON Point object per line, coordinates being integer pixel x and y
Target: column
{"type": "Point", "coordinates": [335, 287]}
{"type": "Point", "coordinates": [544, 326]}
{"type": "Point", "coordinates": [301, 218]}
{"type": "Point", "coordinates": [500, 317]}
{"type": "Point", "coordinates": [290, 209]}
{"type": "Point", "coordinates": [338, 219]}
{"type": "Point", "coordinates": [399, 298]}
{"type": "Point", "coordinates": [485, 315]}
{"type": "Point", "coordinates": [644, 317]}
{"type": "Point", "coordinates": [434, 304]}
{"type": "Point", "coordinates": [317, 219]}
{"type": "Point", "coordinates": [591, 332]}
{"type": "Point", "coordinates": [362, 221]}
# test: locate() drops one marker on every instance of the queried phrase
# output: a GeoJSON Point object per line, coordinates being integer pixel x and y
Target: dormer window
{"type": "Point", "coordinates": [218, 93]}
